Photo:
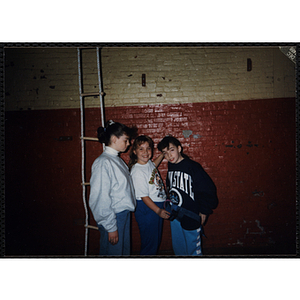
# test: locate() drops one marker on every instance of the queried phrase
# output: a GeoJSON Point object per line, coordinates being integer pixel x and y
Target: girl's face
{"type": "Point", "coordinates": [172, 154]}
{"type": "Point", "coordinates": [120, 144]}
{"type": "Point", "coordinates": [143, 153]}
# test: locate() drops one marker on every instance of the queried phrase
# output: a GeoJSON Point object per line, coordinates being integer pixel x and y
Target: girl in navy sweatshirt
{"type": "Point", "coordinates": [192, 196]}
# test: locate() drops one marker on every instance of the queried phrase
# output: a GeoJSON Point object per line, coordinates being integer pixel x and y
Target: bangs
{"type": "Point", "coordinates": [143, 139]}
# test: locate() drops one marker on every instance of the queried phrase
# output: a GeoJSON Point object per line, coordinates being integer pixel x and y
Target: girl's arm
{"type": "Point", "coordinates": [161, 212]}
{"type": "Point", "coordinates": [100, 197]}
{"type": "Point", "coordinates": [203, 218]}
{"type": "Point", "coordinates": [158, 160]}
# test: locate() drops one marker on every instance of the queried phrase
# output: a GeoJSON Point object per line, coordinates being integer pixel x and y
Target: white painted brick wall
{"type": "Point", "coordinates": [47, 78]}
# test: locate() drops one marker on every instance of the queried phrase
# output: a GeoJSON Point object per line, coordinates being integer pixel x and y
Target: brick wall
{"type": "Point", "coordinates": [247, 147]}
{"type": "Point", "coordinates": [47, 78]}
{"type": "Point", "coordinates": [239, 125]}
{"type": "Point", "coordinates": [186, 75]}
{"type": "Point", "coordinates": [244, 146]}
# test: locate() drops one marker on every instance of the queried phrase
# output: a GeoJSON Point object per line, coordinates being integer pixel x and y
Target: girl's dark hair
{"type": "Point", "coordinates": [114, 128]}
{"type": "Point", "coordinates": [167, 140]}
{"type": "Point", "coordinates": [137, 142]}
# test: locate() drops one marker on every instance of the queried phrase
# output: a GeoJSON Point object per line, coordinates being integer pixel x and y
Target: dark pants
{"type": "Point", "coordinates": [123, 245]}
{"type": "Point", "coordinates": [150, 226]}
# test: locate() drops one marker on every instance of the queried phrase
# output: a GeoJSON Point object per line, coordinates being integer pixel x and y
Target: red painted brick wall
{"type": "Point", "coordinates": [247, 147]}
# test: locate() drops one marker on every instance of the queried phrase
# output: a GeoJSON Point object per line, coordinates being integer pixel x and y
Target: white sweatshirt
{"type": "Point", "coordinates": [147, 182]}
{"type": "Point", "coordinates": [111, 189]}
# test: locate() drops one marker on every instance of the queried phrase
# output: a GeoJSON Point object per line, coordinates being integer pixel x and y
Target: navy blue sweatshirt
{"type": "Point", "coordinates": [190, 187]}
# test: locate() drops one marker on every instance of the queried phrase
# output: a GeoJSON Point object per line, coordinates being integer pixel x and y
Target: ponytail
{"type": "Point", "coordinates": [111, 128]}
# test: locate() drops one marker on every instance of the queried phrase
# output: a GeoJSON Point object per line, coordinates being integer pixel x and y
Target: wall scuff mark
{"type": "Point", "coordinates": [188, 133]}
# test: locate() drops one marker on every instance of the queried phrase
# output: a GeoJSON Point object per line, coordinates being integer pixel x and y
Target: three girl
{"type": "Point", "coordinates": [115, 192]}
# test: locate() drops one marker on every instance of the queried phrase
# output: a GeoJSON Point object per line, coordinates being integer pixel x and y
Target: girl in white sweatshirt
{"type": "Point", "coordinates": [149, 192]}
{"type": "Point", "coordinates": [112, 195]}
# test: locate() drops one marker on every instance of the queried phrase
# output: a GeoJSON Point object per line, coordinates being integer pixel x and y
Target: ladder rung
{"type": "Point", "coordinates": [92, 94]}
{"type": "Point", "coordinates": [89, 138]}
{"type": "Point", "coordinates": [85, 183]}
{"type": "Point", "coordinates": [91, 227]}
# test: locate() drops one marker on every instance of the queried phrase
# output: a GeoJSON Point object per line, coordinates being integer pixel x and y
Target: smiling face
{"type": "Point", "coordinates": [120, 144]}
{"type": "Point", "coordinates": [143, 153]}
{"type": "Point", "coordinates": [173, 154]}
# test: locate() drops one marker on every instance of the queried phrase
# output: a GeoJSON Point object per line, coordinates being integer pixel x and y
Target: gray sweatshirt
{"type": "Point", "coordinates": [111, 189]}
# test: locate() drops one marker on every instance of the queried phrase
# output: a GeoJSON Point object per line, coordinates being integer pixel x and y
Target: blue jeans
{"type": "Point", "coordinates": [123, 245]}
{"type": "Point", "coordinates": [185, 242]}
{"type": "Point", "coordinates": [150, 226]}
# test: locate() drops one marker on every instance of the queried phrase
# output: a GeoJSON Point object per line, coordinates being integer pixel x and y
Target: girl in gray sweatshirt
{"type": "Point", "coordinates": [112, 195]}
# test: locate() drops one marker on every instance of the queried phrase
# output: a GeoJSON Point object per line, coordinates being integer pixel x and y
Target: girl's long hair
{"type": "Point", "coordinates": [137, 142]}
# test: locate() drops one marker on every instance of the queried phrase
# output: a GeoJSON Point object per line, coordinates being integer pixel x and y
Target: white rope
{"type": "Point", "coordinates": [83, 139]}
{"type": "Point", "coordinates": [82, 152]}
{"type": "Point", "coordinates": [100, 91]}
